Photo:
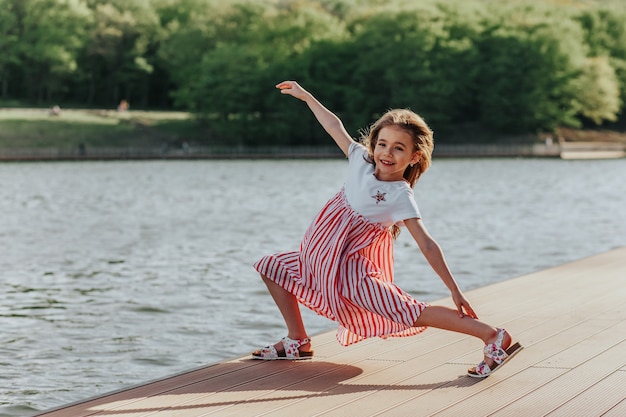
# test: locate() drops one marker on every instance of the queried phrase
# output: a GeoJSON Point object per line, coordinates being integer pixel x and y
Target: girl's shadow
{"type": "Point", "coordinates": [256, 381]}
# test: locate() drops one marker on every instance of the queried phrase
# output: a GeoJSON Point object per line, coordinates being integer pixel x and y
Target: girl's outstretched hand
{"type": "Point", "coordinates": [329, 121]}
{"type": "Point", "coordinates": [463, 306]}
{"type": "Point", "coordinates": [292, 88]}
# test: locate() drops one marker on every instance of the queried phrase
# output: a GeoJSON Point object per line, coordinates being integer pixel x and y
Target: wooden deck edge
{"type": "Point", "coordinates": [135, 386]}
{"type": "Point", "coordinates": [325, 334]}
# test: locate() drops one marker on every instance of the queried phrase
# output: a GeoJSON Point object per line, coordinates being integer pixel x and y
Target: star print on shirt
{"type": "Point", "coordinates": [379, 196]}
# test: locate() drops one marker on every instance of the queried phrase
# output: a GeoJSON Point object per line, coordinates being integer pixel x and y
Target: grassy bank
{"type": "Point", "coordinates": [38, 128]}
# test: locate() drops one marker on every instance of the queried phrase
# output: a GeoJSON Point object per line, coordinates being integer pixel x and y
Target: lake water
{"type": "Point", "coordinates": [115, 273]}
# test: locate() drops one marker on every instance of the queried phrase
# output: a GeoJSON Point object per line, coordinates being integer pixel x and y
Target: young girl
{"type": "Point", "coordinates": [344, 268]}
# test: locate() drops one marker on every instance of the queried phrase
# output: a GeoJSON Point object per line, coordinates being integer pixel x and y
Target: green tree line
{"type": "Point", "coordinates": [468, 66]}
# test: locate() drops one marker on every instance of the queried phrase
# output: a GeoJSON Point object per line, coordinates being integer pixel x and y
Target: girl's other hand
{"type": "Point", "coordinates": [463, 306]}
{"type": "Point", "coordinates": [292, 88]}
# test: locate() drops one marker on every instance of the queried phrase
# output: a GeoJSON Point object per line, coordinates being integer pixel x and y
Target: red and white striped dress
{"type": "Point", "coordinates": [344, 271]}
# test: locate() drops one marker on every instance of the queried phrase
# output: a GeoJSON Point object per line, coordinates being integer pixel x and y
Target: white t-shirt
{"type": "Point", "coordinates": [384, 202]}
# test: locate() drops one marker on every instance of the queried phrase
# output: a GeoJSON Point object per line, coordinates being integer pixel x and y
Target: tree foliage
{"type": "Point", "coordinates": [9, 42]}
{"type": "Point", "coordinates": [519, 66]}
{"type": "Point", "coordinates": [530, 62]}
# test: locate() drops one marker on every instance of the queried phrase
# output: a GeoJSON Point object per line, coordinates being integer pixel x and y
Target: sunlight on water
{"type": "Point", "coordinates": [115, 273]}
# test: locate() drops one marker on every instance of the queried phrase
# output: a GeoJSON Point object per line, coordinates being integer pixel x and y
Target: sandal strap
{"type": "Point", "coordinates": [267, 352]}
{"type": "Point", "coordinates": [482, 369]}
{"type": "Point", "coordinates": [494, 350]}
{"type": "Point", "coordinates": [292, 346]}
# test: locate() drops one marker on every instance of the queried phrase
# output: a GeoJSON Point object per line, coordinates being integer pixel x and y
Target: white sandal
{"type": "Point", "coordinates": [291, 351]}
{"type": "Point", "coordinates": [495, 352]}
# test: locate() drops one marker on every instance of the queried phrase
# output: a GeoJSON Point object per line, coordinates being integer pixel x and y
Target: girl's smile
{"type": "Point", "coordinates": [393, 153]}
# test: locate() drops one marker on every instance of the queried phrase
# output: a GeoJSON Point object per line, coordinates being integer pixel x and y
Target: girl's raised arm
{"type": "Point", "coordinates": [329, 121]}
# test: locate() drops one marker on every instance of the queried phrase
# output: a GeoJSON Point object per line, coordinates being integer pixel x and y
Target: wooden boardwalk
{"type": "Point", "coordinates": [571, 320]}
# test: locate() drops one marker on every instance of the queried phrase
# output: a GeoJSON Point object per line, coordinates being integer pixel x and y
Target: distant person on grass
{"type": "Point", "coordinates": [344, 267]}
{"type": "Point", "coordinates": [123, 106]}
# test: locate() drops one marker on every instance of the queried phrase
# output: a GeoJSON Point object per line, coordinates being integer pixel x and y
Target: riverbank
{"type": "Point", "coordinates": [93, 128]}
{"type": "Point", "coordinates": [84, 153]}
{"type": "Point", "coordinates": [91, 134]}
{"type": "Point", "coordinates": [564, 150]}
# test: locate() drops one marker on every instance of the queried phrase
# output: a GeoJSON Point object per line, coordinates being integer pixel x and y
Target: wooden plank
{"type": "Point", "coordinates": [205, 396]}
{"type": "Point", "coordinates": [571, 325]}
{"type": "Point", "coordinates": [568, 385]}
{"type": "Point", "coordinates": [597, 400]}
{"type": "Point", "coordinates": [465, 397]}
{"type": "Point", "coordinates": [292, 389]}
{"type": "Point", "coordinates": [445, 397]}
{"type": "Point", "coordinates": [318, 391]}
{"type": "Point", "coordinates": [414, 389]}
{"type": "Point", "coordinates": [399, 375]}
{"type": "Point", "coordinates": [619, 410]}
{"type": "Point", "coordinates": [587, 349]}
{"type": "Point", "coordinates": [126, 397]}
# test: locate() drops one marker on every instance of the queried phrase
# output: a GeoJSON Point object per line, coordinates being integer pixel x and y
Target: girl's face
{"type": "Point", "coordinates": [393, 152]}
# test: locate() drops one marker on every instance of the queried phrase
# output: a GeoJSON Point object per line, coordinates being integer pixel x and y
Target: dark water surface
{"type": "Point", "coordinates": [115, 273]}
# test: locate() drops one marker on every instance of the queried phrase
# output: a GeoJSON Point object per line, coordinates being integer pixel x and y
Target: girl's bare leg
{"type": "Point", "coordinates": [290, 310]}
{"type": "Point", "coordinates": [448, 319]}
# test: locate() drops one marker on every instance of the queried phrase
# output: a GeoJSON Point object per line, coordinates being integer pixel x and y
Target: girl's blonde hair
{"type": "Point", "coordinates": [422, 137]}
{"type": "Point", "coordinates": [415, 126]}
